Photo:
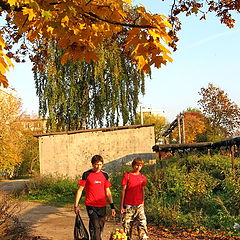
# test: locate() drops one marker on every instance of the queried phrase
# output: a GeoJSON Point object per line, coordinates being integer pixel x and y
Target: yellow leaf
{"type": "Point", "coordinates": [141, 61]}
{"type": "Point", "coordinates": [46, 14]}
{"type": "Point", "coordinates": [95, 27]}
{"type": "Point", "coordinates": [29, 12]}
{"type": "Point", "coordinates": [3, 80]}
{"type": "Point", "coordinates": [12, 2]}
{"type": "Point", "coordinates": [3, 66]}
{"type": "Point", "coordinates": [128, 2]}
{"type": "Point", "coordinates": [167, 57]}
{"type": "Point", "coordinates": [2, 43]}
{"type": "Point", "coordinates": [154, 34]}
{"type": "Point", "coordinates": [50, 29]}
{"type": "Point", "coordinates": [64, 20]}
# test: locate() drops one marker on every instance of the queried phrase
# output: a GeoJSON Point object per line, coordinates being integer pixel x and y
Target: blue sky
{"type": "Point", "coordinates": [207, 52]}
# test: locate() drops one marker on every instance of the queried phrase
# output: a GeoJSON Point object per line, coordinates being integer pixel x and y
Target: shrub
{"type": "Point", "coordinates": [10, 227]}
{"type": "Point", "coordinates": [194, 191]}
{"type": "Point", "coordinates": [231, 193]}
{"type": "Point", "coordinates": [58, 190]}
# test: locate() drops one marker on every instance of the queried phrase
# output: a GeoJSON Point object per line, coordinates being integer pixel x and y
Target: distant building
{"type": "Point", "coordinates": [34, 124]}
{"type": "Point", "coordinates": [153, 111]}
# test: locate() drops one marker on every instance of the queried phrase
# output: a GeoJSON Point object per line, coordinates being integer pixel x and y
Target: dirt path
{"type": "Point", "coordinates": [55, 223]}
{"type": "Point", "coordinates": [49, 222]}
{"type": "Point", "coordinates": [12, 185]}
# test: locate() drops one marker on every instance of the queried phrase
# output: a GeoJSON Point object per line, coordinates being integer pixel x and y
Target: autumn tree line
{"type": "Point", "coordinates": [90, 60]}
{"type": "Point", "coordinates": [216, 119]}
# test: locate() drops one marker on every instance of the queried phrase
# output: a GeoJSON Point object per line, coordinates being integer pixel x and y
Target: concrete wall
{"type": "Point", "coordinates": [70, 153]}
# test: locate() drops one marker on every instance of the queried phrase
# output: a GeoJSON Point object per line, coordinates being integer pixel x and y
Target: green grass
{"type": "Point", "coordinates": [54, 190]}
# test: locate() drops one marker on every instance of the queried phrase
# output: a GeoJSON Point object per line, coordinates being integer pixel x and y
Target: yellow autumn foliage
{"type": "Point", "coordinates": [81, 26]}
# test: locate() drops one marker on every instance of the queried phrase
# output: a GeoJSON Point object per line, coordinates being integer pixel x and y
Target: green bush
{"type": "Point", "coordinates": [231, 193]}
{"type": "Point", "coordinates": [194, 191]}
{"type": "Point", "coordinates": [58, 190]}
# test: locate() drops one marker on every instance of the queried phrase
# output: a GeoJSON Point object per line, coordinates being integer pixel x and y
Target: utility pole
{"type": "Point", "coordinates": [141, 114]}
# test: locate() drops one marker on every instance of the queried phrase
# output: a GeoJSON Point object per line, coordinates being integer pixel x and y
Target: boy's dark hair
{"type": "Point", "coordinates": [96, 158]}
{"type": "Point", "coordinates": [136, 161]}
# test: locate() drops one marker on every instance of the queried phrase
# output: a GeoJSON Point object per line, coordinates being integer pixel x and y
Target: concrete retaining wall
{"type": "Point", "coordinates": [70, 153]}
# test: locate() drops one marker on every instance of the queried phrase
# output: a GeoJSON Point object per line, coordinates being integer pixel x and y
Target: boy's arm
{"type": "Point", "coordinates": [109, 196]}
{"type": "Point", "coordinates": [143, 189]}
{"type": "Point", "coordinates": [122, 210]}
{"type": "Point", "coordinates": [77, 198]}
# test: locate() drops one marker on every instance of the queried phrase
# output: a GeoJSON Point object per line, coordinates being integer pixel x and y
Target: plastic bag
{"type": "Point", "coordinates": [80, 231]}
{"type": "Point", "coordinates": [236, 226]}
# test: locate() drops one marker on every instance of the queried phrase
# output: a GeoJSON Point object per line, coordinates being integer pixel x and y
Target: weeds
{"type": "Point", "coordinates": [10, 227]}
{"type": "Point", "coordinates": [55, 190]}
{"type": "Point", "coordinates": [192, 192]}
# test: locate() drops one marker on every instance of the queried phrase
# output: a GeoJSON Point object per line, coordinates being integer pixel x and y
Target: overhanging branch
{"type": "Point", "coordinates": [118, 23]}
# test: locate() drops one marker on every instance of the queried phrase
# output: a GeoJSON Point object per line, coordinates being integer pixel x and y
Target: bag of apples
{"type": "Point", "coordinates": [118, 234]}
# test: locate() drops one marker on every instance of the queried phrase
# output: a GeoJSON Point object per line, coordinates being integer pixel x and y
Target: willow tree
{"type": "Point", "coordinates": [80, 94]}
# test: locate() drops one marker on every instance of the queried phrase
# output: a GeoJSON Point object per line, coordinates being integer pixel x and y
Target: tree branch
{"type": "Point", "coordinates": [117, 23]}
{"type": "Point", "coordinates": [5, 6]}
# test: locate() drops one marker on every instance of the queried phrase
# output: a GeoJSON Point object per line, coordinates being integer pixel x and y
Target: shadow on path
{"type": "Point", "coordinates": [50, 222]}
{"type": "Point", "coordinates": [13, 185]}
{"type": "Point", "coordinates": [55, 223]}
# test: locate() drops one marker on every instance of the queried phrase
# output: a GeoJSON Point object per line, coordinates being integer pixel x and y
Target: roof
{"type": "Point", "coordinates": [95, 130]}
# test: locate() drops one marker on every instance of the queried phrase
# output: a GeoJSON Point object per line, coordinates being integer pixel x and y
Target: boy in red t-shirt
{"type": "Point", "coordinates": [97, 186]}
{"type": "Point", "coordinates": [132, 200]}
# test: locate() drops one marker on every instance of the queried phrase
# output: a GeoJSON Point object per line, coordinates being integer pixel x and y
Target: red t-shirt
{"type": "Point", "coordinates": [95, 185]}
{"type": "Point", "coordinates": [134, 189]}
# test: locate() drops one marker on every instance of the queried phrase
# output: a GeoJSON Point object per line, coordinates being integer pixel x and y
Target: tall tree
{"type": "Point", "coordinates": [30, 153]}
{"type": "Point", "coordinates": [194, 126]}
{"type": "Point", "coordinates": [10, 134]}
{"type": "Point", "coordinates": [18, 146]}
{"type": "Point", "coordinates": [75, 95]}
{"type": "Point", "coordinates": [223, 114]}
{"type": "Point", "coordinates": [160, 123]}
{"type": "Point", "coordinates": [81, 25]}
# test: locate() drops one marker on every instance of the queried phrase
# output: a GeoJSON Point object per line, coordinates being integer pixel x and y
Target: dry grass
{"type": "Point", "coordinates": [10, 227]}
